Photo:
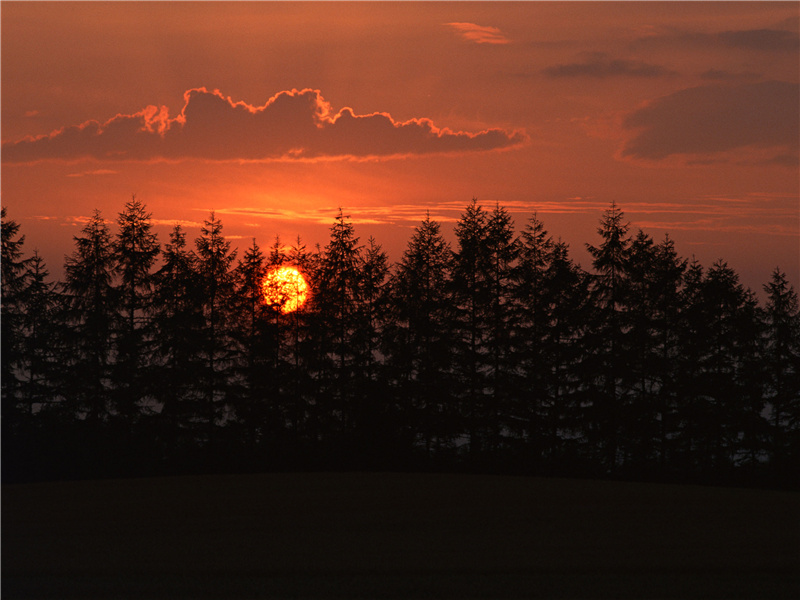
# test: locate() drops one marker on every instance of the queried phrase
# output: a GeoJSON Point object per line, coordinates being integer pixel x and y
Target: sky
{"type": "Point", "coordinates": [276, 114]}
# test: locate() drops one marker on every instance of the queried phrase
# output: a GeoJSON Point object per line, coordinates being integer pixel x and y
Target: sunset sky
{"type": "Point", "coordinates": [276, 114]}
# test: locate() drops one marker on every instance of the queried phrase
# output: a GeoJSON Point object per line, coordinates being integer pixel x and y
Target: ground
{"type": "Point", "coordinates": [381, 535]}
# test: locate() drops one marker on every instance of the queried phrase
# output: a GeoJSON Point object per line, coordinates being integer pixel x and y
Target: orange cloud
{"type": "Point", "coordinates": [292, 125]}
{"type": "Point", "coordinates": [479, 34]}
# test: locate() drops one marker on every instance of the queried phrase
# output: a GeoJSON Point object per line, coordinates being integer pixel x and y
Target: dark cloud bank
{"type": "Point", "coordinates": [291, 125]}
{"type": "Point", "coordinates": [716, 118]}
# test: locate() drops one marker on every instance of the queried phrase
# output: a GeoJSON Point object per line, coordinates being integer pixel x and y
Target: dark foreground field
{"type": "Point", "coordinates": [396, 536]}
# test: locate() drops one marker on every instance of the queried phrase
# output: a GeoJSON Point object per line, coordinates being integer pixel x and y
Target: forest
{"type": "Point", "coordinates": [494, 354]}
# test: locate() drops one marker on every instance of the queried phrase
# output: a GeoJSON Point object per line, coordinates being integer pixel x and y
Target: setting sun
{"type": "Point", "coordinates": [285, 287]}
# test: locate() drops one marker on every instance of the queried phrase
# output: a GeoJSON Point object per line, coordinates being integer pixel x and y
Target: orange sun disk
{"type": "Point", "coordinates": [286, 288]}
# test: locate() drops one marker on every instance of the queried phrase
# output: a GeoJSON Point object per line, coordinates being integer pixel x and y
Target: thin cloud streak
{"type": "Point", "coordinates": [479, 34]}
{"type": "Point", "coordinates": [600, 66]}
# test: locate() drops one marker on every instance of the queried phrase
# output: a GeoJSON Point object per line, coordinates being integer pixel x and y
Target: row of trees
{"type": "Point", "coordinates": [498, 354]}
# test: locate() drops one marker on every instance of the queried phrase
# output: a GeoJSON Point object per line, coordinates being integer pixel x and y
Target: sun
{"type": "Point", "coordinates": [286, 288]}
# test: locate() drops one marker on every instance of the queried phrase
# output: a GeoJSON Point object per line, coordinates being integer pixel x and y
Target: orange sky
{"type": "Point", "coordinates": [276, 114]}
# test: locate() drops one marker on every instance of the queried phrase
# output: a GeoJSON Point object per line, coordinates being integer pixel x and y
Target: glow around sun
{"type": "Point", "coordinates": [285, 288]}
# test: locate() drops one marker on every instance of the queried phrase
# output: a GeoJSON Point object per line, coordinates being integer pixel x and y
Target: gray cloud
{"type": "Point", "coordinates": [600, 65]}
{"type": "Point", "coordinates": [711, 119]}
{"type": "Point", "coordinates": [291, 125]}
{"type": "Point", "coordinates": [721, 75]}
{"type": "Point", "coordinates": [762, 40]}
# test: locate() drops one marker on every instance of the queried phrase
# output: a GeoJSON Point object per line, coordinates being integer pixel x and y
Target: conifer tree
{"type": "Point", "coordinates": [668, 271]}
{"type": "Point", "coordinates": [472, 294]}
{"type": "Point", "coordinates": [418, 340]}
{"type": "Point", "coordinates": [782, 369]}
{"type": "Point", "coordinates": [300, 353]}
{"type": "Point", "coordinates": [337, 299]}
{"type": "Point", "coordinates": [608, 350]}
{"type": "Point", "coordinates": [550, 297]}
{"type": "Point", "coordinates": [731, 402]}
{"type": "Point", "coordinates": [91, 303]}
{"type": "Point", "coordinates": [135, 250]}
{"type": "Point", "coordinates": [177, 315]}
{"type": "Point", "coordinates": [502, 250]}
{"type": "Point", "coordinates": [213, 263]}
{"type": "Point", "coordinates": [256, 397]}
{"type": "Point", "coordinates": [38, 358]}
{"type": "Point", "coordinates": [11, 317]}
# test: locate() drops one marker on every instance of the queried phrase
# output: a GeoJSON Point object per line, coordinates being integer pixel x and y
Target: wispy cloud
{"type": "Point", "coordinates": [600, 65]}
{"type": "Point", "coordinates": [94, 172]}
{"type": "Point", "coordinates": [292, 125]}
{"type": "Point", "coordinates": [479, 34]}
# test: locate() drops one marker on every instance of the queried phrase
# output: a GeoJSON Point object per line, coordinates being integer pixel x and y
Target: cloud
{"type": "Point", "coordinates": [762, 40]}
{"type": "Point", "coordinates": [713, 119]}
{"type": "Point", "coordinates": [94, 172]}
{"type": "Point", "coordinates": [600, 65]}
{"type": "Point", "coordinates": [767, 40]}
{"type": "Point", "coordinates": [479, 34]}
{"type": "Point", "coordinates": [722, 75]}
{"type": "Point", "coordinates": [292, 125]}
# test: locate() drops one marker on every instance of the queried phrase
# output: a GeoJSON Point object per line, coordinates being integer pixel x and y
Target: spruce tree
{"type": "Point", "coordinates": [135, 249]}
{"type": "Point", "coordinates": [418, 341]}
{"type": "Point", "coordinates": [177, 315]}
{"type": "Point", "coordinates": [472, 296]}
{"type": "Point", "coordinates": [608, 349]}
{"type": "Point", "coordinates": [213, 263]}
{"type": "Point", "coordinates": [502, 249]}
{"type": "Point", "coordinates": [11, 319]}
{"type": "Point", "coordinates": [338, 301]}
{"type": "Point", "coordinates": [91, 309]}
{"type": "Point", "coordinates": [256, 396]}
{"type": "Point", "coordinates": [782, 371]}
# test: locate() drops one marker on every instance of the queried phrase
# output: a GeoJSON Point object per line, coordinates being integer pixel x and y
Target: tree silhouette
{"type": "Point", "coordinates": [135, 249]}
{"type": "Point", "coordinates": [213, 263]}
{"type": "Point", "coordinates": [418, 340]}
{"type": "Point", "coordinates": [91, 303]}
{"type": "Point", "coordinates": [608, 331]}
{"type": "Point", "coordinates": [782, 369]}
{"type": "Point", "coordinates": [12, 315]}
{"type": "Point", "coordinates": [503, 355]}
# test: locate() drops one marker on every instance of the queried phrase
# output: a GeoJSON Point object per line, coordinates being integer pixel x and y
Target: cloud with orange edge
{"type": "Point", "coordinates": [292, 125]}
{"type": "Point", "coordinates": [479, 34]}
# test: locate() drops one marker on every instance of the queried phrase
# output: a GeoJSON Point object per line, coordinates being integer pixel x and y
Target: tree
{"type": "Point", "coordinates": [550, 297]}
{"type": "Point", "coordinates": [338, 300]}
{"type": "Point", "coordinates": [177, 315]}
{"type": "Point", "coordinates": [371, 409]}
{"type": "Point", "coordinates": [257, 360]}
{"type": "Point", "coordinates": [608, 350]}
{"type": "Point", "coordinates": [472, 294]}
{"type": "Point", "coordinates": [418, 340]}
{"type": "Point", "coordinates": [11, 317]}
{"type": "Point", "coordinates": [213, 263]}
{"type": "Point", "coordinates": [668, 271]}
{"type": "Point", "coordinates": [38, 357]}
{"type": "Point", "coordinates": [502, 251]}
{"type": "Point", "coordinates": [91, 308]}
{"type": "Point", "coordinates": [728, 423]}
{"type": "Point", "coordinates": [782, 370]}
{"type": "Point", "coordinates": [135, 250]}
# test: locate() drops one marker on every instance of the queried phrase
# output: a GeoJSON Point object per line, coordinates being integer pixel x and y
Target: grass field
{"type": "Point", "coordinates": [358, 535]}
